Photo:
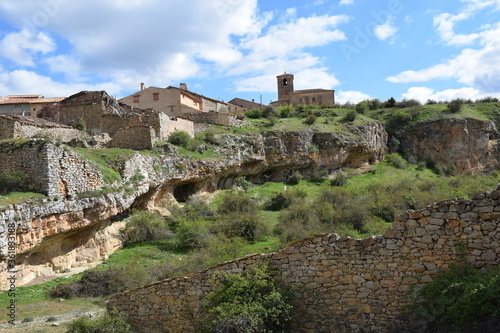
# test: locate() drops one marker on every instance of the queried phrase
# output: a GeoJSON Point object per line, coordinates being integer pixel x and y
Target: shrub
{"type": "Point", "coordinates": [297, 221]}
{"type": "Point", "coordinates": [243, 183]}
{"type": "Point", "coordinates": [146, 226]}
{"type": "Point", "coordinates": [461, 299]}
{"type": "Point", "coordinates": [64, 290]}
{"type": "Point", "coordinates": [247, 302]}
{"type": "Point", "coordinates": [361, 107]}
{"type": "Point", "coordinates": [14, 181]}
{"type": "Point", "coordinates": [179, 138]}
{"type": "Point", "coordinates": [80, 124]}
{"type": "Point", "coordinates": [350, 116]}
{"type": "Point", "coordinates": [253, 114]}
{"type": "Point", "coordinates": [373, 104]}
{"type": "Point", "coordinates": [455, 105]}
{"type": "Point", "coordinates": [107, 323]}
{"type": "Point", "coordinates": [340, 179]}
{"type": "Point", "coordinates": [390, 103]}
{"type": "Point", "coordinates": [284, 111]}
{"type": "Point", "coordinates": [267, 111]}
{"type": "Point", "coordinates": [295, 178]}
{"type": "Point", "coordinates": [310, 119]}
{"type": "Point", "coordinates": [396, 161]}
{"type": "Point", "coordinates": [284, 199]}
{"type": "Point", "coordinates": [239, 216]}
{"type": "Point", "coordinates": [210, 136]}
{"type": "Point", "coordinates": [318, 176]}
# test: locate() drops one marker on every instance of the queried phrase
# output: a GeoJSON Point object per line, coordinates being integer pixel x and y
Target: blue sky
{"type": "Point", "coordinates": [420, 49]}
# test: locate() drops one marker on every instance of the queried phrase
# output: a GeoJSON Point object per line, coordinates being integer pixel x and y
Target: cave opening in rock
{"type": "Point", "coordinates": [184, 191]}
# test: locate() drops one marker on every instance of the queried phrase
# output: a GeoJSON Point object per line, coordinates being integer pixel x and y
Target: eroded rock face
{"type": "Point", "coordinates": [59, 235]}
{"type": "Point", "coordinates": [470, 145]}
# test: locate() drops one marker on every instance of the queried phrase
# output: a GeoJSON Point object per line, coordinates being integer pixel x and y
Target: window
{"type": "Point", "coordinates": [156, 96]}
{"type": "Point", "coordinates": [285, 82]}
{"type": "Point", "coordinates": [136, 98]}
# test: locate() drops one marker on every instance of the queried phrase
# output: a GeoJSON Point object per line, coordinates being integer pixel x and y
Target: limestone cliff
{"type": "Point", "coordinates": [470, 145]}
{"type": "Point", "coordinates": [55, 236]}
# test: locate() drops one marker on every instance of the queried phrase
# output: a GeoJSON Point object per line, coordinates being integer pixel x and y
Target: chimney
{"type": "Point", "coordinates": [183, 86]}
{"type": "Point", "coordinates": [143, 86]}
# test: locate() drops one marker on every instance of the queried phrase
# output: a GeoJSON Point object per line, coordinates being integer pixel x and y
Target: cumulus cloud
{"type": "Point", "coordinates": [21, 47]}
{"type": "Point", "coordinates": [477, 68]}
{"type": "Point", "coordinates": [346, 2]}
{"type": "Point", "coordinates": [423, 94]}
{"type": "Point", "coordinates": [164, 42]}
{"type": "Point", "coordinates": [12, 83]}
{"type": "Point", "coordinates": [385, 30]}
{"type": "Point", "coordinates": [351, 96]}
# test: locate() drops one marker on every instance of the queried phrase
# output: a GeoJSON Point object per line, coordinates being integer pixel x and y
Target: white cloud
{"type": "Point", "coordinates": [346, 2]}
{"type": "Point", "coordinates": [423, 94]}
{"type": "Point", "coordinates": [22, 81]}
{"type": "Point", "coordinates": [385, 30]}
{"type": "Point", "coordinates": [351, 96]}
{"type": "Point", "coordinates": [477, 68]}
{"type": "Point", "coordinates": [21, 47]}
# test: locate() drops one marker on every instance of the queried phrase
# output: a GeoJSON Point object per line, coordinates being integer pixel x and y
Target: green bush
{"type": "Point", "coordinates": [461, 299]}
{"type": "Point", "coordinates": [107, 323]}
{"type": "Point", "coordinates": [285, 111]}
{"type": "Point", "coordinates": [297, 221]}
{"type": "Point", "coordinates": [350, 116]}
{"type": "Point", "coordinates": [80, 124]}
{"type": "Point", "coordinates": [295, 178]}
{"type": "Point", "coordinates": [390, 103]}
{"type": "Point", "coordinates": [310, 119]}
{"type": "Point", "coordinates": [146, 226]}
{"type": "Point", "coordinates": [396, 161]}
{"type": "Point", "coordinates": [455, 105]}
{"type": "Point", "coordinates": [243, 183]}
{"type": "Point", "coordinates": [239, 216]}
{"type": "Point", "coordinates": [284, 199]}
{"type": "Point", "coordinates": [253, 114]}
{"type": "Point", "coordinates": [14, 181]}
{"type": "Point", "coordinates": [361, 107]}
{"type": "Point", "coordinates": [179, 138]}
{"type": "Point", "coordinates": [247, 302]}
{"type": "Point", "coordinates": [373, 104]}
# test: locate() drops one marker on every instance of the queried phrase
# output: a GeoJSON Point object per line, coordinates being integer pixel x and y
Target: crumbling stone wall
{"type": "Point", "coordinates": [217, 118]}
{"type": "Point", "coordinates": [342, 284]}
{"type": "Point", "coordinates": [13, 127]}
{"type": "Point", "coordinates": [53, 170]}
{"type": "Point", "coordinates": [134, 137]}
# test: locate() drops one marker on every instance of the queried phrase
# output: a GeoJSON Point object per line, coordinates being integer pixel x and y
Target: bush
{"type": "Point", "coordinates": [146, 226]}
{"type": "Point", "coordinates": [243, 183]}
{"type": "Point", "coordinates": [285, 111]}
{"type": "Point", "coordinates": [350, 116]}
{"type": "Point", "coordinates": [247, 302]}
{"type": "Point", "coordinates": [179, 138]}
{"type": "Point", "coordinates": [253, 114]}
{"type": "Point", "coordinates": [373, 104]}
{"type": "Point", "coordinates": [107, 323]}
{"type": "Point", "coordinates": [461, 299]}
{"type": "Point", "coordinates": [390, 103]}
{"type": "Point", "coordinates": [455, 105]}
{"type": "Point", "coordinates": [298, 221]}
{"type": "Point", "coordinates": [14, 181]}
{"type": "Point", "coordinates": [361, 107]}
{"type": "Point", "coordinates": [239, 216]}
{"type": "Point", "coordinates": [310, 119]}
{"type": "Point", "coordinates": [295, 178]}
{"type": "Point", "coordinates": [80, 124]}
{"type": "Point", "coordinates": [284, 199]}
{"type": "Point", "coordinates": [396, 161]}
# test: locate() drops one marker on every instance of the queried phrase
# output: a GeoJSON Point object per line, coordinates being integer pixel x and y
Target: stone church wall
{"type": "Point", "coordinates": [342, 284]}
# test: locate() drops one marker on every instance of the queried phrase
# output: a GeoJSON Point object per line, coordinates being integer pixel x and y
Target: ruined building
{"type": "Point", "coordinates": [288, 96]}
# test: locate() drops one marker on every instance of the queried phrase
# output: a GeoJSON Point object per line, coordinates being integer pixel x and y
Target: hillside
{"type": "Point", "coordinates": [311, 160]}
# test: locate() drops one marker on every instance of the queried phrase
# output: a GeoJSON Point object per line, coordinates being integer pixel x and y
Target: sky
{"type": "Point", "coordinates": [363, 49]}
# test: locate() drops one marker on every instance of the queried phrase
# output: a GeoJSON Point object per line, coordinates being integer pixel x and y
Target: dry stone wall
{"type": "Point", "coordinates": [52, 170]}
{"type": "Point", "coordinates": [342, 284]}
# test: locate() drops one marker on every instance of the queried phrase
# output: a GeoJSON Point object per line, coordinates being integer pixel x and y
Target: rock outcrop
{"type": "Point", "coordinates": [469, 145]}
{"type": "Point", "coordinates": [55, 236]}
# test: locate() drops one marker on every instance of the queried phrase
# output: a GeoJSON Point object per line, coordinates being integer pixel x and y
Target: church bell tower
{"type": "Point", "coordinates": [285, 86]}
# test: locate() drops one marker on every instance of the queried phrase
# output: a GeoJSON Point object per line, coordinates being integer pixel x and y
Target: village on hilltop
{"type": "Point", "coordinates": [136, 121]}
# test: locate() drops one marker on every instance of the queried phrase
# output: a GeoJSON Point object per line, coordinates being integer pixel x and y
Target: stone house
{"type": "Point", "coordinates": [128, 127]}
{"type": "Point", "coordinates": [25, 105]}
{"type": "Point", "coordinates": [175, 101]}
{"type": "Point", "coordinates": [245, 104]}
{"type": "Point", "coordinates": [288, 96]}
{"type": "Point", "coordinates": [16, 126]}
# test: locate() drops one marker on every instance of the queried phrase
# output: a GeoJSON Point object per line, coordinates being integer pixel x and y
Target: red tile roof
{"type": "Point", "coordinates": [28, 99]}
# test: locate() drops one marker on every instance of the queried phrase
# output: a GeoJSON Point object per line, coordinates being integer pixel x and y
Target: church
{"type": "Point", "coordinates": [288, 96]}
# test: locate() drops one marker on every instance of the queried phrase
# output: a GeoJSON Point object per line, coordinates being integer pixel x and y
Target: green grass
{"type": "Point", "coordinates": [20, 197]}
{"type": "Point", "coordinates": [104, 159]}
